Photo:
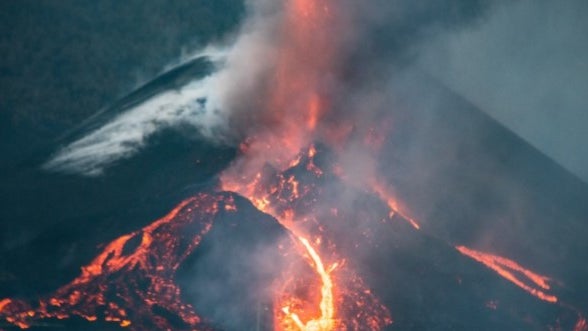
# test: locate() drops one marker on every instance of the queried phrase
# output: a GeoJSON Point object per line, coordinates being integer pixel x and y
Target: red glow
{"type": "Point", "coordinates": [294, 108]}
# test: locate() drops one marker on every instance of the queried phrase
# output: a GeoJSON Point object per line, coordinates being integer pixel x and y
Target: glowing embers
{"type": "Point", "coordinates": [528, 280]}
{"type": "Point", "coordinates": [276, 194]}
{"type": "Point", "coordinates": [131, 281]}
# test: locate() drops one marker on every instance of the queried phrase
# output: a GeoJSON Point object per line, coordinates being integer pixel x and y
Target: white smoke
{"type": "Point", "coordinates": [202, 104]}
{"type": "Point", "coordinates": [128, 133]}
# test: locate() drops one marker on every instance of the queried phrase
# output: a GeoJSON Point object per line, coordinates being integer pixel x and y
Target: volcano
{"type": "Point", "coordinates": [217, 260]}
{"type": "Point", "coordinates": [299, 207]}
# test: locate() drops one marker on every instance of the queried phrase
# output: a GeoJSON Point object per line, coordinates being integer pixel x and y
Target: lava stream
{"type": "Point", "coordinates": [132, 280]}
{"type": "Point", "coordinates": [392, 203]}
{"type": "Point", "coordinates": [511, 270]}
{"type": "Point", "coordinates": [326, 320]}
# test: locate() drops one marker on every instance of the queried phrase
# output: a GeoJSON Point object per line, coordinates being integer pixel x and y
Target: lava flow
{"type": "Point", "coordinates": [392, 203]}
{"type": "Point", "coordinates": [291, 201]}
{"type": "Point", "coordinates": [526, 279]}
{"type": "Point", "coordinates": [296, 103]}
{"type": "Point", "coordinates": [131, 282]}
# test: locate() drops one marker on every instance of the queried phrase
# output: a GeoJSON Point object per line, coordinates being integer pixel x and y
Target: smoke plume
{"type": "Point", "coordinates": [354, 53]}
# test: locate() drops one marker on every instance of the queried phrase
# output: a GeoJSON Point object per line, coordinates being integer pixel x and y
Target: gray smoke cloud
{"type": "Point", "coordinates": [379, 50]}
{"type": "Point", "coordinates": [378, 34]}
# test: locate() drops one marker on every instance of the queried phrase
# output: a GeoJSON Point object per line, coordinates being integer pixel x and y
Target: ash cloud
{"type": "Point", "coordinates": [377, 45]}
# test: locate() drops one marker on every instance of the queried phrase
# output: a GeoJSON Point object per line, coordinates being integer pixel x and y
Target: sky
{"type": "Point", "coordinates": [526, 65]}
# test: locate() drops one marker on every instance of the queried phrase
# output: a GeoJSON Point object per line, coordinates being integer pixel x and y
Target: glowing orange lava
{"type": "Point", "coordinates": [392, 203]}
{"type": "Point", "coordinates": [581, 324]}
{"type": "Point", "coordinates": [526, 279]}
{"type": "Point", "coordinates": [326, 320]}
{"type": "Point", "coordinates": [260, 196]}
{"type": "Point", "coordinates": [284, 196]}
{"type": "Point", "coordinates": [296, 103]}
{"type": "Point", "coordinates": [133, 275]}
{"type": "Point", "coordinates": [137, 270]}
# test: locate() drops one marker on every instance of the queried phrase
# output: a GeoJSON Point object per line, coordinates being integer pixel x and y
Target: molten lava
{"type": "Point", "coordinates": [290, 201]}
{"type": "Point", "coordinates": [131, 281]}
{"type": "Point", "coordinates": [526, 279]}
{"type": "Point", "coordinates": [325, 321]}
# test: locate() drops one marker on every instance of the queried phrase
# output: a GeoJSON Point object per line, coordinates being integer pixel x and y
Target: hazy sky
{"type": "Point", "coordinates": [526, 65]}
